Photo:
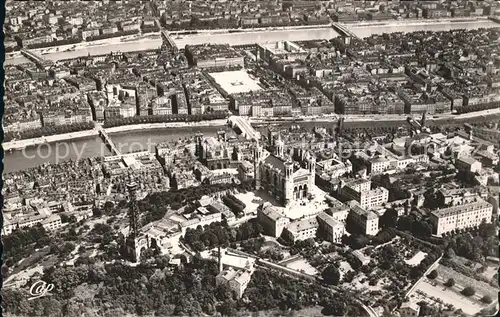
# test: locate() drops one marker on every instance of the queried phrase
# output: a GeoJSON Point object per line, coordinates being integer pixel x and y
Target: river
{"type": "Point", "coordinates": [54, 153]}
{"type": "Point", "coordinates": [131, 46]}
{"type": "Point", "coordinates": [126, 142]}
{"type": "Point", "coordinates": [250, 37]}
{"type": "Point", "coordinates": [130, 141]}
{"type": "Point", "coordinates": [260, 36]}
{"type": "Point", "coordinates": [133, 141]}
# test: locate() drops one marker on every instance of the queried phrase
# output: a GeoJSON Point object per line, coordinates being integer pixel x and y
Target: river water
{"type": "Point", "coordinates": [126, 142]}
{"type": "Point", "coordinates": [133, 141]}
{"type": "Point", "coordinates": [244, 38]}
{"type": "Point", "coordinates": [54, 153]}
{"type": "Point", "coordinates": [261, 36]}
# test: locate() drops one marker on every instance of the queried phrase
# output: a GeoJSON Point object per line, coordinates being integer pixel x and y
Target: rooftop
{"type": "Point", "coordinates": [459, 209]}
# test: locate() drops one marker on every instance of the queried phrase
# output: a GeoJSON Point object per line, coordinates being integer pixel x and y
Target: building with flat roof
{"type": "Point", "coordinates": [468, 215]}
{"type": "Point", "coordinates": [468, 164]}
{"type": "Point", "coordinates": [280, 49]}
{"type": "Point", "coordinates": [361, 191]}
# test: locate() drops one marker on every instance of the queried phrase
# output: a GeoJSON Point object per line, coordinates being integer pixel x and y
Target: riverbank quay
{"type": "Point", "coordinates": [21, 144]}
{"type": "Point", "coordinates": [151, 41]}
{"type": "Point", "coordinates": [416, 21]}
{"type": "Point", "coordinates": [484, 115]}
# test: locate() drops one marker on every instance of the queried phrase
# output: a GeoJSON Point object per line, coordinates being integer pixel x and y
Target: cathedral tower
{"type": "Point", "coordinates": [288, 183]}
{"type": "Point", "coordinates": [280, 147]}
{"type": "Point", "coordinates": [311, 167]}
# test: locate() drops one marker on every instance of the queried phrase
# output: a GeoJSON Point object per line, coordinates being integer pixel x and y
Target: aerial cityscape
{"type": "Point", "coordinates": [251, 158]}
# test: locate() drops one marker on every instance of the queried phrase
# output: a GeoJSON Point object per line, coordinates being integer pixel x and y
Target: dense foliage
{"type": "Point", "coordinates": [156, 204]}
{"type": "Point", "coordinates": [331, 275]}
{"type": "Point", "coordinates": [117, 289]}
{"type": "Point", "coordinates": [478, 107]}
{"type": "Point", "coordinates": [48, 130]}
{"type": "Point", "coordinates": [468, 291]}
{"type": "Point", "coordinates": [166, 118]}
{"type": "Point", "coordinates": [219, 234]}
{"type": "Point", "coordinates": [23, 242]}
{"type": "Point", "coordinates": [432, 275]}
{"type": "Point", "coordinates": [236, 205]}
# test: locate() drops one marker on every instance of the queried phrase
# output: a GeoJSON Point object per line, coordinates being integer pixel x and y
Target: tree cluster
{"type": "Point", "coordinates": [219, 234]}
{"type": "Point", "coordinates": [156, 204]}
{"type": "Point", "coordinates": [23, 242]}
{"type": "Point", "coordinates": [236, 205]}
{"type": "Point", "coordinates": [477, 245]}
{"type": "Point", "coordinates": [67, 41]}
{"type": "Point", "coordinates": [166, 118]}
{"type": "Point", "coordinates": [48, 130]}
{"type": "Point", "coordinates": [147, 289]}
{"type": "Point", "coordinates": [107, 36]}
{"type": "Point", "coordinates": [396, 191]}
{"type": "Point", "coordinates": [478, 107]}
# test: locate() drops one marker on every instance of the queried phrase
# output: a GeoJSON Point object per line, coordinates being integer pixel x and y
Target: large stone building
{"type": "Point", "coordinates": [280, 176]}
{"type": "Point", "coordinates": [301, 229]}
{"type": "Point", "coordinates": [365, 220]}
{"type": "Point", "coordinates": [331, 229]}
{"type": "Point", "coordinates": [360, 191]}
{"type": "Point", "coordinates": [462, 216]}
{"type": "Point", "coordinates": [271, 220]}
{"type": "Point", "coordinates": [236, 280]}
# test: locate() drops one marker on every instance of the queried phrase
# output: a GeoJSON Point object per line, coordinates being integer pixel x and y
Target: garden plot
{"type": "Point", "coordinates": [444, 273]}
{"type": "Point", "coordinates": [301, 265]}
{"type": "Point", "coordinates": [416, 259]}
{"type": "Point", "coordinates": [437, 292]}
{"type": "Point", "coordinates": [344, 267]}
{"type": "Point", "coordinates": [427, 292]}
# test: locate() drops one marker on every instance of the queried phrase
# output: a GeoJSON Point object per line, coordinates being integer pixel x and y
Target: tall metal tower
{"type": "Point", "coordinates": [133, 211]}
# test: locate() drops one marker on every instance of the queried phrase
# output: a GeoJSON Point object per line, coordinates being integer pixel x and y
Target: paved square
{"type": "Point", "coordinates": [234, 82]}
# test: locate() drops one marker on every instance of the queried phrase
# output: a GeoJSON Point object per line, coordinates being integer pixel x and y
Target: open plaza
{"type": "Point", "coordinates": [234, 82]}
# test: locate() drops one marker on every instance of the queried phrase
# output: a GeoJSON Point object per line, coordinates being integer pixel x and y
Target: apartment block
{"type": "Point", "coordinates": [302, 229]}
{"type": "Point", "coordinates": [366, 220]}
{"type": "Point", "coordinates": [332, 229]}
{"type": "Point", "coordinates": [366, 197]}
{"type": "Point", "coordinates": [271, 220]}
{"type": "Point", "coordinates": [464, 216]}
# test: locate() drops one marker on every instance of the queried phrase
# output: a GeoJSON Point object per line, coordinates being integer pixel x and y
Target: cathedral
{"type": "Point", "coordinates": [280, 176]}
